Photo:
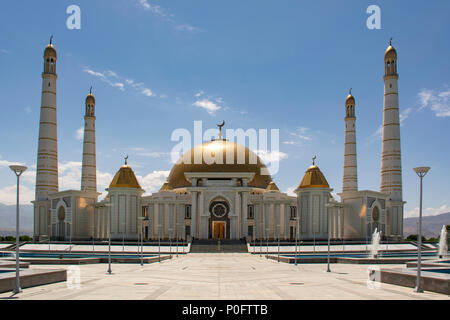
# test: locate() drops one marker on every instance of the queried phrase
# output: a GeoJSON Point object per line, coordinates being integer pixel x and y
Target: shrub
{"type": "Point", "coordinates": [25, 238]}
{"type": "Point", "coordinates": [414, 237]}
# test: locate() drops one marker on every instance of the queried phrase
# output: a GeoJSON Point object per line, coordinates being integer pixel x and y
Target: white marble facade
{"type": "Point", "coordinates": [217, 201]}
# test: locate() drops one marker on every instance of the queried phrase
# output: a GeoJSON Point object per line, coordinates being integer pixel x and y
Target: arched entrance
{"type": "Point", "coordinates": [219, 222]}
{"type": "Point", "coordinates": [61, 223]}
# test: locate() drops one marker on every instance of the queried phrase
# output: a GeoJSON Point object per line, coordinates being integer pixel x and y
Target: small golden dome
{"type": "Point", "coordinates": [215, 148]}
{"type": "Point", "coordinates": [50, 52]}
{"type": "Point", "coordinates": [390, 53]}
{"type": "Point", "coordinates": [350, 98]}
{"type": "Point", "coordinates": [272, 187]}
{"type": "Point", "coordinates": [125, 178]}
{"type": "Point", "coordinates": [90, 99]}
{"type": "Point", "coordinates": [313, 178]}
{"type": "Point", "coordinates": [166, 187]}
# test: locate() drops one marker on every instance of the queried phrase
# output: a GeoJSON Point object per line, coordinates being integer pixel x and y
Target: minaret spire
{"type": "Point", "coordinates": [89, 165]}
{"type": "Point", "coordinates": [47, 157]}
{"type": "Point", "coordinates": [350, 177]}
{"type": "Point", "coordinates": [391, 158]}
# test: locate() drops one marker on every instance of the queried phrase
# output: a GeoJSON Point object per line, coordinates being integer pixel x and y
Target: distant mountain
{"type": "Point", "coordinates": [8, 219]}
{"type": "Point", "coordinates": [431, 225]}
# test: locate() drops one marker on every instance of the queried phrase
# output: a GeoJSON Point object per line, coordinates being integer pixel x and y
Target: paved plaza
{"type": "Point", "coordinates": [221, 276]}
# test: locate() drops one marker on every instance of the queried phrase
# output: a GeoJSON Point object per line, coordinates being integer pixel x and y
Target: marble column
{"type": "Point", "coordinates": [244, 213]}
{"type": "Point", "coordinates": [194, 214]}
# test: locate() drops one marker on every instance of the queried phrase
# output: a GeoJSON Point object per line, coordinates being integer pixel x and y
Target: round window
{"type": "Point", "coordinates": [219, 210]}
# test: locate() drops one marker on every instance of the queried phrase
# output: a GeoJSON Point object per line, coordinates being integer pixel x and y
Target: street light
{"type": "Point", "coordinates": [278, 236]}
{"type": "Point", "coordinates": [297, 219]}
{"type": "Point", "coordinates": [70, 237]}
{"type": "Point", "coordinates": [170, 242]}
{"type": "Point", "coordinates": [142, 239]}
{"type": "Point", "coordinates": [328, 226]}
{"type": "Point", "coordinates": [109, 239]}
{"type": "Point", "coordinates": [159, 242]}
{"type": "Point", "coordinates": [267, 243]}
{"type": "Point", "coordinates": [421, 172]}
{"type": "Point", "coordinates": [18, 170]}
{"type": "Point", "coordinates": [176, 236]}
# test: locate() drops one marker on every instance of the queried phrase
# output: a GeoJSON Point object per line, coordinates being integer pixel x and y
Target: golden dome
{"type": "Point", "coordinates": [313, 178]}
{"type": "Point", "coordinates": [125, 178]}
{"type": "Point", "coordinates": [50, 52]}
{"type": "Point", "coordinates": [90, 99]}
{"type": "Point", "coordinates": [166, 187]}
{"type": "Point", "coordinates": [219, 149]}
{"type": "Point", "coordinates": [390, 53]}
{"type": "Point", "coordinates": [272, 187]}
{"type": "Point", "coordinates": [350, 98]}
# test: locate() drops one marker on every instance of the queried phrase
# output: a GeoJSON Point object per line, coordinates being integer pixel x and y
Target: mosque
{"type": "Point", "coordinates": [221, 200]}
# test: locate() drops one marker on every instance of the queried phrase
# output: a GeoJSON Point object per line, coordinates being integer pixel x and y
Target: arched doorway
{"type": "Point", "coordinates": [61, 223]}
{"type": "Point", "coordinates": [219, 222]}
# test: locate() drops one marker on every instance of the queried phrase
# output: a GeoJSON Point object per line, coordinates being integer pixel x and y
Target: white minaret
{"type": "Point", "coordinates": [391, 159]}
{"type": "Point", "coordinates": [89, 168]}
{"type": "Point", "coordinates": [350, 177]}
{"type": "Point", "coordinates": [47, 159]}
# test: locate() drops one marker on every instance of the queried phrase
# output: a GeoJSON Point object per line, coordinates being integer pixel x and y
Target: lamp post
{"type": "Point", "coordinates": [18, 170]}
{"type": "Point", "coordinates": [159, 242]}
{"type": "Point", "coordinates": [328, 227]}
{"type": "Point", "coordinates": [278, 236]}
{"type": "Point", "coordinates": [170, 242]}
{"type": "Point", "coordinates": [109, 240]}
{"type": "Point", "coordinates": [297, 219]}
{"type": "Point", "coordinates": [141, 219]}
{"type": "Point", "coordinates": [176, 236]}
{"type": "Point", "coordinates": [70, 237]}
{"type": "Point", "coordinates": [267, 243]}
{"type": "Point", "coordinates": [421, 172]}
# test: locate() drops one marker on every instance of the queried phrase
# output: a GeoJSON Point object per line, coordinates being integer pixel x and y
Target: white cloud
{"type": "Point", "coordinates": [437, 101]}
{"type": "Point", "coordinates": [6, 163]}
{"type": "Point", "coordinates": [147, 92]}
{"type": "Point", "coordinates": [200, 93]}
{"type": "Point", "coordinates": [271, 156]}
{"type": "Point", "coordinates": [299, 136]}
{"type": "Point", "coordinates": [113, 79]}
{"type": "Point", "coordinates": [94, 73]}
{"type": "Point", "coordinates": [8, 195]}
{"type": "Point", "coordinates": [27, 110]}
{"type": "Point", "coordinates": [427, 211]}
{"type": "Point", "coordinates": [79, 134]}
{"type": "Point", "coordinates": [208, 105]}
{"type": "Point", "coordinates": [290, 191]}
{"type": "Point", "coordinates": [404, 115]}
{"type": "Point", "coordinates": [152, 182]}
{"type": "Point", "coordinates": [161, 13]}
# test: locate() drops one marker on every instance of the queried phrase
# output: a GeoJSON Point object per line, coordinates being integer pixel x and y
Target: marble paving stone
{"type": "Point", "coordinates": [222, 276]}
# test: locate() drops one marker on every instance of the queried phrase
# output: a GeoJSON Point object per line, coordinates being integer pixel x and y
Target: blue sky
{"type": "Point", "coordinates": [159, 65]}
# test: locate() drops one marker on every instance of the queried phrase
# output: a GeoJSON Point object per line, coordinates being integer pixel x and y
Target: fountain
{"type": "Point", "coordinates": [443, 245]}
{"type": "Point", "coordinates": [375, 244]}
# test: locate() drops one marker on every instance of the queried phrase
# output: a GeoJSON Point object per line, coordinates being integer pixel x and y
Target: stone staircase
{"type": "Point", "coordinates": [216, 246]}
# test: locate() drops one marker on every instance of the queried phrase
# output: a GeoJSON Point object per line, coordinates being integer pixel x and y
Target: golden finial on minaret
{"type": "Point", "coordinates": [51, 39]}
{"type": "Point", "coordinates": [390, 41]}
{"type": "Point", "coordinates": [314, 160]}
{"type": "Point", "coordinates": [126, 160]}
{"type": "Point", "coordinates": [90, 90]}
